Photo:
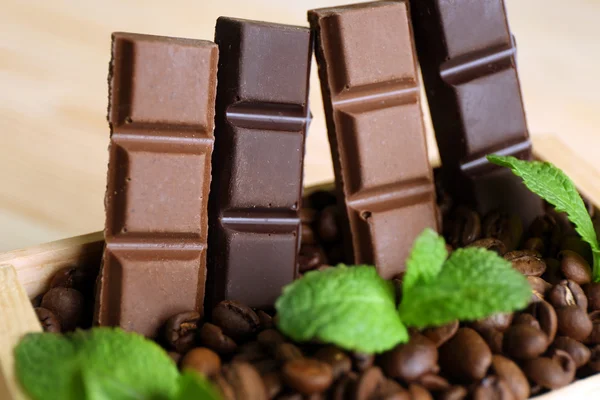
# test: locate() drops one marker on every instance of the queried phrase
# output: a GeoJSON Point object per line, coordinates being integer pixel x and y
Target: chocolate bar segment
{"type": "Point", "coordinates": [161, 111]}
{"type": "Point", "coordinates": [261, 122]}
{"type": "Point", "coordinates": [370, 86]}
{"type": "Point", "coordinates": [467, 57]}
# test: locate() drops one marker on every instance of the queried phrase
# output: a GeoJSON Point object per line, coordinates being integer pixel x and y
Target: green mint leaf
{"type": "Point", "coordinates": [474, 283]}
{"type": "Point", "coordinates": [195, 386]}
{"type": "Point", "coordinates": [97, 364]}
{"type": "Point", "coordinates": [352, 307]}
{"type": "Point", "coordinates": [554, 186]}
{"type": "Point", "coordinates": [426, 259]}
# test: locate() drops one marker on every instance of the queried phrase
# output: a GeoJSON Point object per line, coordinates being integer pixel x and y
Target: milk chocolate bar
{"type": "Point", "coordinates": [261, 121]}
{"type": "Point", "coordinates": [467, 56]}
{"type": "Point", "coordinates": [370, 86]}
{"type": "Point", "coordinates": [161, 111]}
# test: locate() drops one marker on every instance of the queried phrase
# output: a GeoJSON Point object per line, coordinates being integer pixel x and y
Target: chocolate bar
{"type": "Point", "coordinates": [370, 86]}
{"type": "Point", "coordinates": [467, 56]}
{"type": "Point", "coordinates": [262, 116]}
{"type": "Point", "coordinates": [161, 111]}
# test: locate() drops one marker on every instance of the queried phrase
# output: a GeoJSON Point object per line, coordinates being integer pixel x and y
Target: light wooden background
{"type": "Point", "coordinates": [53, 93]}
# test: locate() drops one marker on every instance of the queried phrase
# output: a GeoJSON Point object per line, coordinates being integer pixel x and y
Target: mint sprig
{"type": "Point", "coordinates": [99, 364]}
{"type": "Point", "coordinates": [352, 307]}
{"type": "Point", "coordinates": [195, 386]}
{"type": "Point", "coordinates": [474, 283]}
{"type": "Point", "coordinates": [426, 259]}
{"type": "Point", "coordinates": [554, 186]}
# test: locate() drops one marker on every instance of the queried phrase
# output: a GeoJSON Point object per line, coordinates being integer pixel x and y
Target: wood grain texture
{"type": "Point", "coordinates": [18, 318]}
{"type": "Point", "coordinates": [53, 94]}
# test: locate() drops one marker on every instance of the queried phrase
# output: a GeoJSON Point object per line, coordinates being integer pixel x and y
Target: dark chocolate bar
{"type": "Point", "coordinates": [370, 87]}
{"type": "Point", "coordinates": [262, 116]}
{"type": "Point", "coordinates": [467, 56]}
{"type": "Point", "coordinates": [161, 112]}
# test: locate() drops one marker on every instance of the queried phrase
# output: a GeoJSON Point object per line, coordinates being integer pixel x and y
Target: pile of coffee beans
{"type": "Point", "coordinates": [551, 343]}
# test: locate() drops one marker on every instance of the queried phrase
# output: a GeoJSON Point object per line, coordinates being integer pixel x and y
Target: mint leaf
{"type": "Point", "coordinates": [97, 364]}
{"type": "Point", "coordinates": [554, 186]}
{"type": "Point", "coordinates": [352, 307]}
{"type": "Point", "coordinates": [195, 386]}
{"type": "Point", "coordinates": [426, 259]}
{"type": "Point", "coordinates": [474, 283]}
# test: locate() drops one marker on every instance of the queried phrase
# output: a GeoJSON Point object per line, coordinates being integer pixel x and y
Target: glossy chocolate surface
{"type": "Point", "coordinates": [370, 86]}
{"type": "Point", "coordinates": [162, 94]}
{"type": "Point", "coordinates": [468, 60]}
{"type": "Point", "coordinates": [262, 116]}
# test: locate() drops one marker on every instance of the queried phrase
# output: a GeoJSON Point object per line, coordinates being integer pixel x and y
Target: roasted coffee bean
{"type": "Point", "coordinates": [441, 334]}
{"type": "Point", "coordinates": [512, 375]}
{"type": "Point", "coordinates": [48, 320]}
{"type": "Point", "coordinates": [320, 199]}
{"type": "Point", "coordinates": [418, 392]}
{"type": "Point", "coordinates": [37, 300]}
{"type": "Point", "coordinates": [464, 228]}
{"type": "Point", "coordinates": [527, 319]}
{"type": "Point", "coordinates": [270, 339]}
{"type": "Point", "coordinates": [288, 352]}
{"type": "Point", "coordinates": [250, 352]}
{"type": "Point", "coordinates": [293, 396]}
{"type": "Point", "coordinates": [502, 226]}
{"type": "Point", "coordinates": [574, 267]}
{"type": "Point", "coordinates": [362, 361]}
{"type": "Point", "coordinates": [578, 351]}
{"type": "Point", "coordinates": [567, 293]}
{"type": "Point", "coordinates": [539, 286]}
{"type": "Point", "coordinates": [574, 322]}
{"type": "Point", "coordinates": [545, 226]}
{"type": "Point", "coordinates": [310, 257]}
{"type": "Point", "coordinates": [335, 254]}
{"type": "Point", "coordinates": [307, 235]}
{"type": "Point", "coordinates": [433, 382]}
{"type": "Point", "coordinates": [494, 339]}
{"type": "Point", "coordinates": [213, 337]}
{"type": "Point", "coordinates": [553, 274]}
{"type": "Point", "coordinates": [409, 361]}
{"type": "Point", "coordinates": [577, 245]}
{"type": "Point", "coordinates": [546, 316]}
{"type": "Point", "coordinates": [66, 304]}
{"type": "Point", "coordinates": [536, 244]}
{"type": "Point", "coordinates": [492, 388]}
{"type": "Point", "coordinates": [237, 320]}
{"type": "Point", "coordinates": [390, 390]}
{"type": "Point", "coordinates": [551, 372]}
{"type": "Point", "coordinates": [202, 360]}
{"type": "Point", "coordinates": [327, 225]}
{"type": "Point", "coordinates": [344, 387]}
{"type": "Point", "coordinates": [339, 361]}
{"type": "Point", "coordinates": [594, 337]}
{"type": "Point", "coordinates": [307, 375]}
{"type": "Point", "coordinates": [69, 277]}
{"type": "Point", "coordinates": [179, 332]}
{"type": "Point", "coordinates": [367, 383]}
{"type": "Point", "coordinates": [499, 322]}
{"type": "Point", "coordinates": [594, 363]}
{"type": "Point", "coordinates": [466, 357]}
{"type": "Point", "coordinates": [524, 342]}
{"type": "Point", "coordinates": [273, 384]}
{"type": "Point", "coordinates": [224, 387]}
{"type": "Point", "coordinates": [307, 215]}
{"type": "Point", "coordinates": [266, 321]}
{"type": "Point", "coordinates": [526, 262]}
{"type": "Point", "coordinates": [490, 244]}
{"type": "Point", "coordinates": [245, 381]}
{"type": "Point", "coordinates": [453, 393]}
{"type": "Point", "coordinates": [592, 291]}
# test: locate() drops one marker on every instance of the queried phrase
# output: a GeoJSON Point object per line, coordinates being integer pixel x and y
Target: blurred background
{"type": "Point", "coordinates": [53, 94]}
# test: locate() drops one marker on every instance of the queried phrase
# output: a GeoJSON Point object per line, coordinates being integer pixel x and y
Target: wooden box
{"type": "Point", "coordinates": [24, 274]}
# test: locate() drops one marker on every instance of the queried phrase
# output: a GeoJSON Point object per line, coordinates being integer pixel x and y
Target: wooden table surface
{"type": "Point", "coordinates": [53, 94]}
